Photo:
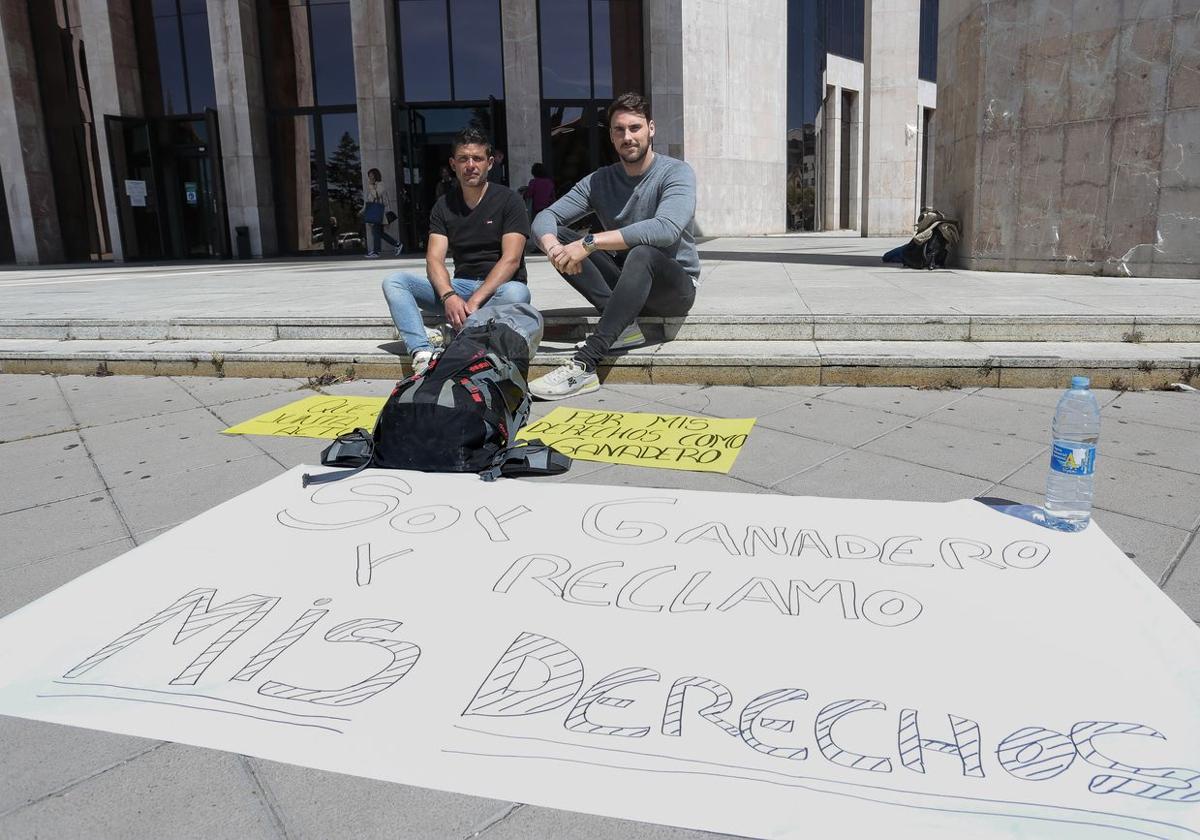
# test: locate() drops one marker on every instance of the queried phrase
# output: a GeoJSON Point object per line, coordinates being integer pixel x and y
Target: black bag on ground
{"type": "Point", "coordinates": [464, 412]}
{"type": "Point", "coordinates": [933, 242]}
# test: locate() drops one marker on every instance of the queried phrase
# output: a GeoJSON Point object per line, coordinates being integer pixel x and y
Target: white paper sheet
{"type": "Point", "coordinates": [760, 665]}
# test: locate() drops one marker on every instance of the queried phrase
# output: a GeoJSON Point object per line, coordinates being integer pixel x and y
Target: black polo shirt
{"type": "Point", "coordinates": [475, 234]}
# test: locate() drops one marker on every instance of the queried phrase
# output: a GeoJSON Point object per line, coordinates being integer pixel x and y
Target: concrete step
{"type": "Point", "coordinates": [1117, 364]}
{"type": "Point", "coordinates": [899, 327]}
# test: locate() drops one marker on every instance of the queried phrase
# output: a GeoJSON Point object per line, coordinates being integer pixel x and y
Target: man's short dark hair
{"type": "Point", "coordinates": [538, 170]}
{"type": "Point", "coordinates": [472, 135]}
{"type": "Point", "coordinates": [630, 101]}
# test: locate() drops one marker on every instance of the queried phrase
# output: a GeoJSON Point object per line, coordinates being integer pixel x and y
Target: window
{"type": "Point", "coordinates": [927, 63]}
{"type": "Point", "coordinates": [591, 51]}
{"type": "Point", "coordinates": [806, 63]}
{"type": "Point", "coordinates": [332, 52]}
{"type": "Point", "coordinates": [308, 55]}
{"type": "Point", "coordinates": [844, 28]}
{"type": "Point", "coordinates": [308, 66]}
{"type": "Point", "coordinates": [450, 50]}
{"type": "Point", "coordinates": [177, 72]}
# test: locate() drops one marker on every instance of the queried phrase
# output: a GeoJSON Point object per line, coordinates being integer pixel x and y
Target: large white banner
{"type": "Point", "coordinates": [753, 664]}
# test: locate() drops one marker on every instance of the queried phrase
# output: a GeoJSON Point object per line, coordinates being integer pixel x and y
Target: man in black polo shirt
{"type": "Point", "coordinates": [484, 227]}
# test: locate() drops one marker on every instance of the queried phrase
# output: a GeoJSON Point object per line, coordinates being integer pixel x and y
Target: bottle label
{"type": "Point", "coordinates": [1073, 459]}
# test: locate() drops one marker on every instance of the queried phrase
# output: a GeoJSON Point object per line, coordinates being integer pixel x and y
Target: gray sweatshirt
{"type": "Point", "coordinates": [655, 208]}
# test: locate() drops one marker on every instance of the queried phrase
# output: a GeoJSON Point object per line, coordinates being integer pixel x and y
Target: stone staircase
{"type": "Point", "coordinates": [926, 350]}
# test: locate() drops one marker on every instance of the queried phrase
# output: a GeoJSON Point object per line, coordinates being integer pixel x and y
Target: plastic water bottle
{"type": "Point", "coordinates": [1075, 433]}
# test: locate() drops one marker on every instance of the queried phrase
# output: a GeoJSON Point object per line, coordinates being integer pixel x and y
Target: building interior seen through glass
{"type": "Point", "coordinates": [591, 51]}
{"type": "Point", "coordinates": [168, 158]}
{"type": "Point", "coordinates": [310, 86]}
{"type": "Point", "coordinates": [452, 71]}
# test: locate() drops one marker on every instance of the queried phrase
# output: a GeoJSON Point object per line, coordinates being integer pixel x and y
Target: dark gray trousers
{"type": "Point", "coordinates": [623, 285]}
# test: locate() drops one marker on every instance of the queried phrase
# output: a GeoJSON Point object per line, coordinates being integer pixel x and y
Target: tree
{"type": "Point", "coordinates": [343, 174]}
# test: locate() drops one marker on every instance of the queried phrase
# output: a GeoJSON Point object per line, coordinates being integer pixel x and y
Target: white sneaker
{"type": "Point", "coordinates": [630, 337]}
{"type": "Point", "coordinates": [371, 255]}
{"type": "Point", "coordinates": [399, 250]}
{"type": "Point", "coordinates": [565, 381]}
{"type": "Point", "coordinates": [421, 361]}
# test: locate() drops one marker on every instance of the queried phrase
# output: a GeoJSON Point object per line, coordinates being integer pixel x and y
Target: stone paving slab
{"type": "Point", "coordinates": [32, 405]}
{"type": "Point", "coordinates": [172, 791]}
{"type": "Point", "coordinates": [58, 528]}
{"type": "Point", "coordinates": [889, 443]}
{"type": "Point", "coordinates": [319, 805]}
{"type": "Point", "coordinates": [1184, 584]}
{"type": "Point", "coordinates": [24, 583]}
{"type": "Point", "coordinates": [53, 467]}
{"type": "Point", "coordinates": [74, 754]}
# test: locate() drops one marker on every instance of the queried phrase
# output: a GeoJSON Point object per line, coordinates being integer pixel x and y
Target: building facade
{"type": "Point", "coordinates": [186, 129]}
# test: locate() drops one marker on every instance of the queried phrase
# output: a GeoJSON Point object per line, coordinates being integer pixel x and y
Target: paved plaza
{"type": "Point", "coordinates": [97, 465]}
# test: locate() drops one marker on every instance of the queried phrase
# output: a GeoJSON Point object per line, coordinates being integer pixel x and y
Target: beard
{"type": "Point", "coordinates": [635, 154]}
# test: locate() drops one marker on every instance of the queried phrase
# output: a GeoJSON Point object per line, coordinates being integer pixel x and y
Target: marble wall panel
{"type": "Point", "coordinates": [1039, 191]}
{"type": "Point", "coordinates": [522, 87]}
{"type": "Point", "coordinates": [24, 156]}
{"type": "Point", "coordinates": [1084, 155]}
{"type": "Point", "coordinates": [1184, 82]}
{"type": "Point", "coordinates": [241, 104]}
{"type": "Point", "coordinates": [1047, 63]}
{"type": "Point", "coordinates": [1178, 220]}
{"type": "Point", "coordinates": [1143, 66]}
{"type": "Point", "coordinates": [1092, 78]}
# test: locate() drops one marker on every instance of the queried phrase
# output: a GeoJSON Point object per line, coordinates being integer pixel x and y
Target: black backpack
{"type": "Point", "coordinates": [463, 413]}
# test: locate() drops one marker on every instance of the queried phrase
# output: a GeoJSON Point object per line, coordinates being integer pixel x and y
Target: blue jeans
{"type": "Point", "coordinates": [408, 295]}
{"type": "Point", "coordinates": [896, 255]}
{"type": "Point", "coordinates": [379, 236]}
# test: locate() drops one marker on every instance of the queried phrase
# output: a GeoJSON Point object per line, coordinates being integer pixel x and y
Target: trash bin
{"type": "Point", "coordinates": [243, 242]}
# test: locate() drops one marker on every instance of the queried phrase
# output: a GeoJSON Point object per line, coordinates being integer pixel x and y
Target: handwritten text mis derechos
{"type": "Point", "coordinates": [537, 676]}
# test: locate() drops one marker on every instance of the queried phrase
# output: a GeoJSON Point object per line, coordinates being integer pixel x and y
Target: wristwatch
{"type": "Point", "coordinates": [589, 243]}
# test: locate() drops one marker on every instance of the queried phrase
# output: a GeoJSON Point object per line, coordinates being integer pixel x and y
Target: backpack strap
{"type": "Point", "coordinates": [527, 458]}
{"type": "Point", "coordinates": [353, 449]}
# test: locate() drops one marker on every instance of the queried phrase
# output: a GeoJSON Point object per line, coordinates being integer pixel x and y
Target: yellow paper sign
{"type": "Point", "coordinates": [667, 441]}
{"type": "Point", "coordinates": [315, 417]}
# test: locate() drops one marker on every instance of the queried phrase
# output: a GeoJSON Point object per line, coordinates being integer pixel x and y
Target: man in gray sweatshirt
{"type": "Point", "coordinates": [643, 262]}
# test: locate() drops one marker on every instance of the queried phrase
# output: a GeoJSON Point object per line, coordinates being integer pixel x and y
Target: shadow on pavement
{"type": "Point", "coordinates": [793, 257]}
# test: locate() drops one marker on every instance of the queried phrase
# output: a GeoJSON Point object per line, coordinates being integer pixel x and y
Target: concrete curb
{"type": "Point", "coordinates": [924, 364]}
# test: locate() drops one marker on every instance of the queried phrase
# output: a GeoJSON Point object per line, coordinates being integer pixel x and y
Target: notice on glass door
{"type": "Point", "coordinates": [136, 190]}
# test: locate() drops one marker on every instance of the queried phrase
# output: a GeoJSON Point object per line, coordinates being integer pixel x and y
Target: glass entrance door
{"type": "Point", "coordinates": [169, 193]}
{"type": "Point", "coordinates": [132, 152]}
{"type": "Point", "coordinates": [194, 205]}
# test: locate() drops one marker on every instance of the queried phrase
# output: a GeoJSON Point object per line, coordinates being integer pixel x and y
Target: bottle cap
{"type": "Point", "coordinates": [1079, 383]}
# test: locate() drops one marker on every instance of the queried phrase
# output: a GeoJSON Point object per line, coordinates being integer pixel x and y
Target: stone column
{"type": "Point", "coordinates": [891, 117]}
{"type": "Point", "coordinates": [1068, 135]}
{"type": "Point", "coordinates": [377, 82]}
{"type": "Point", "coordinates": [734, 59]}
{"type": "Point", "coordinates": [663, 42]}
{"type": "Point", "coordinates": [116, 87]}
{"type": "Point", "coordinates": [242, 113]}
{"type": "Point", "coordinates": [832, 170]}
{"type": "Point", "coordinates": [24, 156]}
{"type": "Point", "coordinates": [522, 88]}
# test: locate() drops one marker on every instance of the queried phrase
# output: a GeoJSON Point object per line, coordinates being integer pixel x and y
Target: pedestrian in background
{"type": "Point", "coordinates": [377, 214]}
{"type": "Point", "coordinates": [540, 190]}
